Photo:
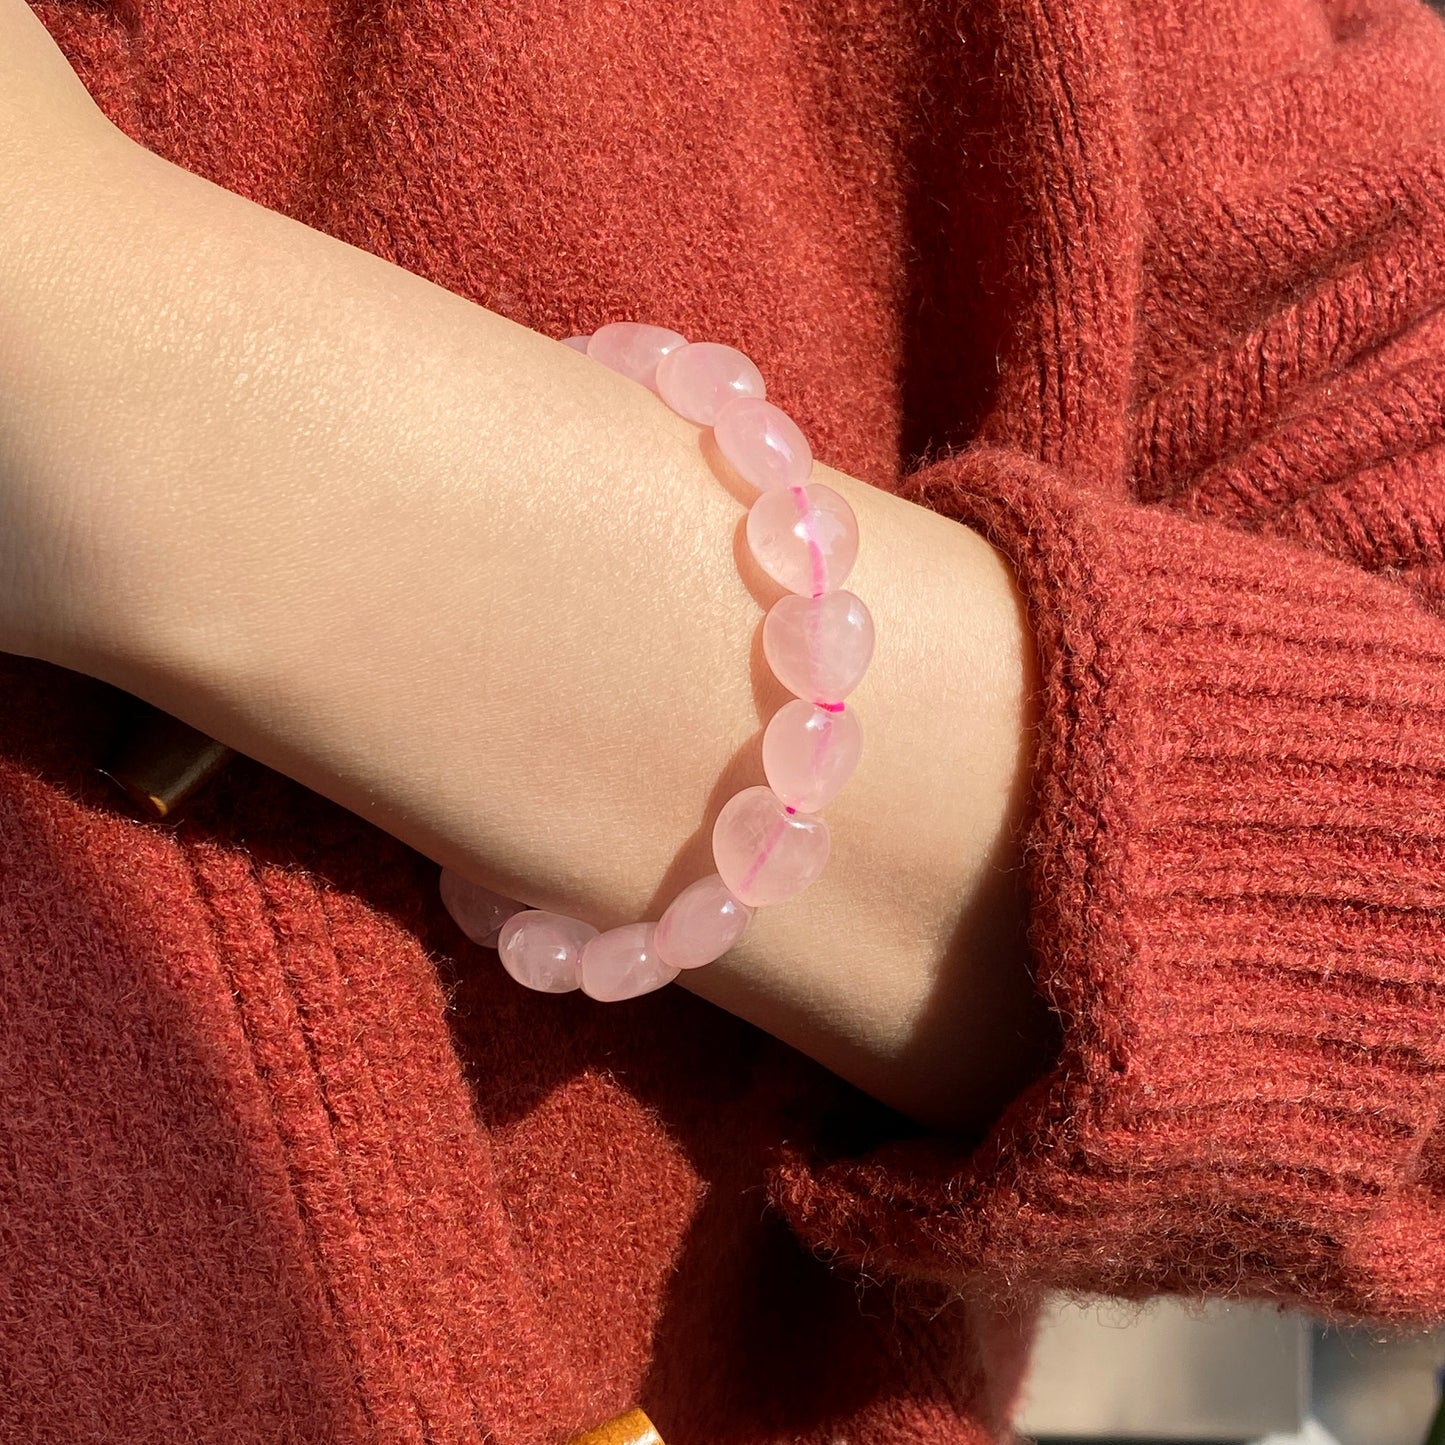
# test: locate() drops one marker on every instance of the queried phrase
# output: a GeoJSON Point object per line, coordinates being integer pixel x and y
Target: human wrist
{"type": "Point", "coordinates": [382, 539]}
{"type": "Point", "coordinates": [905, 967]}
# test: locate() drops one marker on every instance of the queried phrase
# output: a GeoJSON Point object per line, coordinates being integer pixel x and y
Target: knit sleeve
{"type": "Point", "coordinates": [1235, 845]}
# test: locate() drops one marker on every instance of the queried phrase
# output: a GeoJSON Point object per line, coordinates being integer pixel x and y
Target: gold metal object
{"type": "Point", "coordinates": [632, 1428]}
{"type": "Point", "coordinates": [158, 761]}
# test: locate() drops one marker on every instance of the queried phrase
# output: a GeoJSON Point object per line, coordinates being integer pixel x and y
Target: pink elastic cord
{"type": "Point", "coordinates": [769, 842]}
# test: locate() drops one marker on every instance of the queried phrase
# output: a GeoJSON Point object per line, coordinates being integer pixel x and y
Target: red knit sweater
{"type": "Point", "coordinates": [1154, 300]}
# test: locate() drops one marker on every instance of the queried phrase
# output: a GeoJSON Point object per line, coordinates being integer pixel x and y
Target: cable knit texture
{"type": "Point", "coordinates": [1150, 296]}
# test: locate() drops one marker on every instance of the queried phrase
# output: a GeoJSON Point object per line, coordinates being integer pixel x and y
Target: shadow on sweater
{"type": "Point", "coordinates": [625, 1146]}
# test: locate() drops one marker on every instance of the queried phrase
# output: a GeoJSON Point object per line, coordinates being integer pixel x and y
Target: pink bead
{"type": "Point", "coordinates": [804, 537]}
{"type": "Point", "coordinates": [633, 349]}
{"type": "Point", "coordinates": [763, 443]}
{"type": "Point", "coordinates": [577, 343]}
{"type": "Point", "coordinates": [544, 950]}
{"type": "Point", "coordinates": [763, 853]}
{"type": "Point", "coordinates": [701, 924]}
{"type": "Point", "coordinates": [623, 963]}
{"type": "Point", "coordinates": [477, 911]}
{"type": "Point", "coordinates": [819, 647]}
{"type": "Point", "coordinates": [809, 753]}
{"type": "Point", "coordinates": [699, 379]}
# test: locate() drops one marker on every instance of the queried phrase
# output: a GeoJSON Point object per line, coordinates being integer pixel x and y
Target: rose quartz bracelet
{"type": "Point", "coordinates": [768, 842]}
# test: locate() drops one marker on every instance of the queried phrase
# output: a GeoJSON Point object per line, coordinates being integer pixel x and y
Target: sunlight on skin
{"type": "Point", "coordinates": [498, 600]}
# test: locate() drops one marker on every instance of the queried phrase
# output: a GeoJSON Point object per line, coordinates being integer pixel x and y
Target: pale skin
{"type": "Point", "coordinates": [490, 596]}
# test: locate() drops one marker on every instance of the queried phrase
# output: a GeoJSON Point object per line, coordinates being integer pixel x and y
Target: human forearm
{"type": "Point", "coordinates": [487, 594]}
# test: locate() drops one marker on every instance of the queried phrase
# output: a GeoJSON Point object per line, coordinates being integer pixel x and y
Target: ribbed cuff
{"type": "Point", "coordinates": [1236, 861]}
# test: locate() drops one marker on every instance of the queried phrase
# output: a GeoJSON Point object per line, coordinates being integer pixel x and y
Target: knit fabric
{"type": "Point", "coordinates": [1152, 298]}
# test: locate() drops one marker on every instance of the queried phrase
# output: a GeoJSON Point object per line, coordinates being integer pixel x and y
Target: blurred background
{"type": "Point", "coordinates": [1104, 1371]}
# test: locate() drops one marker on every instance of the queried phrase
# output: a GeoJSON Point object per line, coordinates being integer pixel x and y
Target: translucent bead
{"type": "Point", "coordinates": [544, 950]}
{"type": "Point", "coordinates": [633, 348]}
{"type": "Point", "coordinates": [699, 379]}
{"type": "Point", "coordinates": [623, 963]}
{"type": "Point", "coordinates": [477, 911]}
{"type": "Point", "coordinates": [763, 853]}
{"type": "Point", "coordinates": [577, 343]}
{"type": "Point", "coordinates": [763, 443]}
{"type": "Point", "coordinates": [819, 647]}
{"type": "Point", "coordinates": [804, 537]}
{"type": "Point", "coordinates": [701, 924]}
{"type": "Point", "coordinates": [809, 753]}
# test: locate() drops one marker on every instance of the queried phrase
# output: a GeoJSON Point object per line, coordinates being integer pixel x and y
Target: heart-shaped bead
{"type": "Point", "coordinates": [763, 853]}
{"type": "Point", "coordinates": [623, 963]}
{"type": "Point", "coordinates": [544, 950]}
{"type": "Point", "coordinates": [819, 647]}
{"type": "Point", "coordinates": [804, 537]}
{"type": "Point", "coordinates": [701, 924]}
{"type": "Point", "coordinates": [809, 753]}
